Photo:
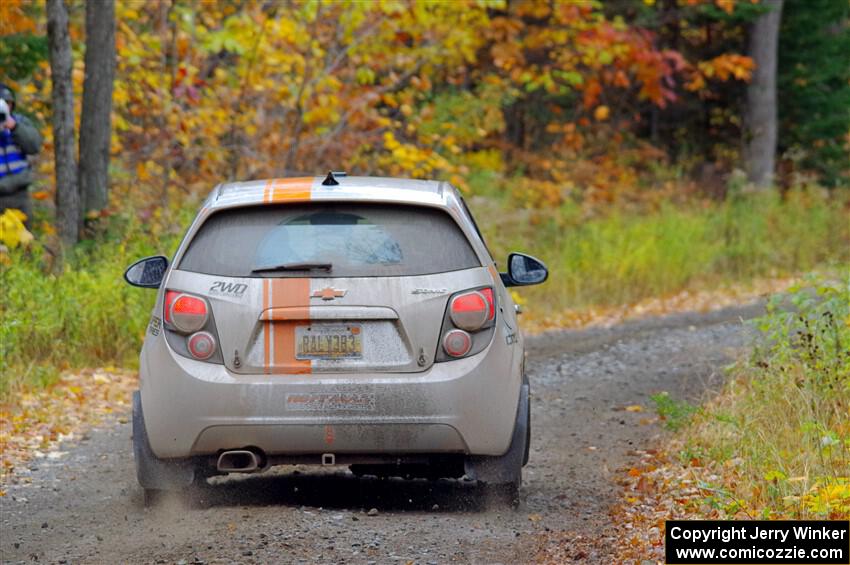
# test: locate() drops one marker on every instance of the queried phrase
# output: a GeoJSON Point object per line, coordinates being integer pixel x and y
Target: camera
{"type": "Point", "coordinates": [4, 111]}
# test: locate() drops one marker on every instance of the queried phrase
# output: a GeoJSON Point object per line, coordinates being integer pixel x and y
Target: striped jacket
{"type": "Point", "coordinates": [15, 145]}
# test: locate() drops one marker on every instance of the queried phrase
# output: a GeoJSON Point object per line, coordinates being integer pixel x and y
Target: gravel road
{"type": "Point", "coordinates": [87, 508]}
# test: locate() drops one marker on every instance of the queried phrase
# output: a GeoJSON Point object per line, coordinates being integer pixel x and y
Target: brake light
{"type": "Point", "coordinates": [170, 296]}
{"type": "Point", "coordinates": [468, 324]}
{"type": "Point", "coordinates": [201, 345]}
{"type": "Point", "coordinates": [190, 328]}
{"type": "Point", "coordinates": [457, 343]}
{"type": "Point", "coordinates": [470, 311]}
{"type": "Point", "coordinates": [491, 303]}
{"type": "Point", "coordinates": [188, 313]}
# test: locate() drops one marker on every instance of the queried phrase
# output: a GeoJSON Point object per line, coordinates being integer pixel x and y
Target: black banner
{"type": "Point", "coordinates": [814, 542]}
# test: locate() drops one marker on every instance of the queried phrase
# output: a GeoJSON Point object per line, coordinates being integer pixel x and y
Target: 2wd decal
{"type": "Point", "coordinates": [222, 288]}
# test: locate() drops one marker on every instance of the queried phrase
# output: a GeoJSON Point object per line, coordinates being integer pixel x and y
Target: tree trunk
{"type": "Point", "coordinates": [96, 119]}
{"type": "Point", "coordinates": [67, 195]}
{"type": "Point", "coordinates": [760, 119]}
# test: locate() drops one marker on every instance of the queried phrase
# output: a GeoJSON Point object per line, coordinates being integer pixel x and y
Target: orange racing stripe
{"type": "Point", "coordinates": [288, 190]}
{"type": "Point", "coordinates": [267, 328]}
{"type": "Point", "coordinates": [293, 294]}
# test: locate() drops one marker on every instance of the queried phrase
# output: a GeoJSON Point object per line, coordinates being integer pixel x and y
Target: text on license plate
{"type": "Point", "coordinates": [342, 341]}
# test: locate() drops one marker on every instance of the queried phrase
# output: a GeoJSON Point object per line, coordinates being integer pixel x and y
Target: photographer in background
{"type": "Point", "coordinates": [18, 138]}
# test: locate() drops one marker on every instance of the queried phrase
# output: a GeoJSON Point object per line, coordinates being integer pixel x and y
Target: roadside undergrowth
{"type": "Point", "coordinates": [628, 255]}
{"type": "Point", "coordinates": [774, 444]}
{"type": "Point", "coordinates": [78, 312]}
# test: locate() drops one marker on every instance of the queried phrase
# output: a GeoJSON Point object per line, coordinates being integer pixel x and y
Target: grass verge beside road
{"type": "Point", "coordinates": [83, 316]}
{"type": "Point", "coordinates": [781, 428]}
{"type": "Point", "coordinates": [774, 444]}
{"type": "Point", "coordinates": [627, 256]}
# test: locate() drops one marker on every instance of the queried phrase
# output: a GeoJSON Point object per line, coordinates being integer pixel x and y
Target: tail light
{"type": "Point", "coordinates": [188, 313]}
{"type": "Point", "coordinates": [201, 345]}
{"type": "Point", "coordinates": [170, 297]}
{"type": "Point", "coordinates": [472, 310]}
{"type": "Point", "coordinates": [469, 311]}
{"type": "Point", "coordinates": [468, 324]}
{"type": "Point", "coordinates": [190, 328]}
{"type": "Point", "coordinates": [457, 343]}
{"type": "Point", "coordinates": [491, 303]}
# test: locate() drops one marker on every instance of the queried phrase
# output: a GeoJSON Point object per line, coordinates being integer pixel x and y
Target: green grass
{"type": "Point", "coordinates": [88, 316]}
{"type": "Point", "coordinates": [779, 433]}
{"type": "Point", "coordinates": [674, 413]}
{"type": "Point", "coordinates": [627, 256]}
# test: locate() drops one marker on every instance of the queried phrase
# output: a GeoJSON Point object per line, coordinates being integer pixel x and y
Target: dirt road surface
{"type": "Point", "coordinates": [87, 508]}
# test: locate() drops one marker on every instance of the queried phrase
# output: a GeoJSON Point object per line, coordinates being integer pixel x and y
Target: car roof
{"type": "Point", "coordinates": [308, 189]}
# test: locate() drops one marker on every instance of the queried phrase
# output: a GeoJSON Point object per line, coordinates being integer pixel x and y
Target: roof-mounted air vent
{"type": "Point", "coordinates": [330, 180]}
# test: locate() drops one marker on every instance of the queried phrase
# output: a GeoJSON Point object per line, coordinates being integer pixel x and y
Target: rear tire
{"type": "Point", "coordinates": [527, 453]}
{"type": "Point", "coordinates": [156, 475]}
{"type": "Point", "coordinates": [501, 477]}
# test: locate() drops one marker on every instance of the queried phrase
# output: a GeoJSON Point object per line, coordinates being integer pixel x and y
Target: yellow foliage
{"type": "Point", "coordinates": [12, 230]}
{"type": "Point", "coordinates": [485, 160]}
{"type": "Point", "coordinates": [601, 113]}
{"type": "Point", "coordinates": [726, 66]}
{"type": "Point", "coordinates": [517, 297]}
{"type": "Point", "coordinates": [238, 90]}
{"type": "Point", "coordinates": [15, 19]}
{"type": "Point", "coordinates": [830, 499]}
{"type": "Point", "coordinates": [410, 158]}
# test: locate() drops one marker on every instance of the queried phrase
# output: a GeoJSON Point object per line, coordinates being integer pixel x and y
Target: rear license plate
{"type": "Point", "coordinates": [329, 341]}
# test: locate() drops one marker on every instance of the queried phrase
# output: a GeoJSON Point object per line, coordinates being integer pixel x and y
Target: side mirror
{"type": "Point", "coordinates": [524, 270]}
{"type": "Point", "coordinates": [147, 272]}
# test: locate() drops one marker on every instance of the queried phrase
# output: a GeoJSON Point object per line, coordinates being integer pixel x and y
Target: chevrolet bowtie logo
{"type": "Point", "coordinates": [328, 293]}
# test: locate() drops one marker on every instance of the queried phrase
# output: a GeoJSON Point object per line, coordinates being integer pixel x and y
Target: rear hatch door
{"type": "Point", "coordinates": [329, 287]}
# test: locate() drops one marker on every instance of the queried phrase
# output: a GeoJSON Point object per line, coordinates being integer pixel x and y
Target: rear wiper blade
{"type": "Point", "coordinates": [294, 267]}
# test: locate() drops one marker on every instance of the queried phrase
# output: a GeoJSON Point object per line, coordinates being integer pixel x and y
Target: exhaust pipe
{"type": "Point", "coordinates": [239, 461]}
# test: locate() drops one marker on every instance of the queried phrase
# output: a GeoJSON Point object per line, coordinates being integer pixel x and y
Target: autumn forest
{"type": "Point", "coordinates": [659, 155]}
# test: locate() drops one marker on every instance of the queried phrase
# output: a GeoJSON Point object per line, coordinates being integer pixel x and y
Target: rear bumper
{"type": "Point", "coordinates": [466, 406]}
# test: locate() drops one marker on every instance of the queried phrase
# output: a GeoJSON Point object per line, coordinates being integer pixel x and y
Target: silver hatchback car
{"type": "Point", "coordinates": [354, 321]}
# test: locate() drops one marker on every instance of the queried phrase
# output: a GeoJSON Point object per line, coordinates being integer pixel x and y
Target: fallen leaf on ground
{"type": "Point", "coordinates": [705, 300]}
{"type": "Point", "coordinates": [39, 421]}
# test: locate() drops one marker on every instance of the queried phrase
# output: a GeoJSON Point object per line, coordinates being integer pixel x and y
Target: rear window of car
{"type": "Point", "coordinates": [356, 240]}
